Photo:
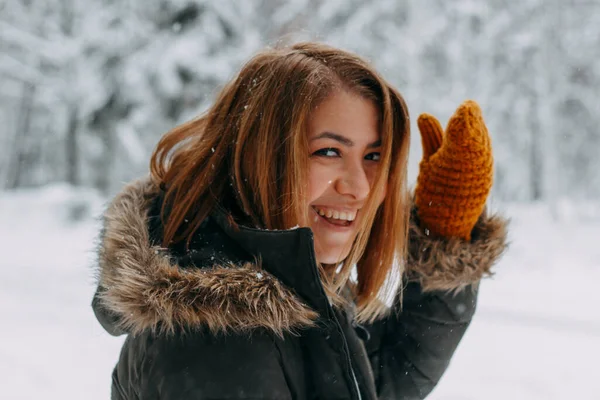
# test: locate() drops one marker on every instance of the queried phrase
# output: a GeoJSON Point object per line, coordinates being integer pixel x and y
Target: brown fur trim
{"type": "Point", "coordinates": [147, 291]}
{"type": "Point", "coordinates": [452, 264]}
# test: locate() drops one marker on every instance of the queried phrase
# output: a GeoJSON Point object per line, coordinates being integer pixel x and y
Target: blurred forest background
{"type": "Point", "coordinates": [87, 87]}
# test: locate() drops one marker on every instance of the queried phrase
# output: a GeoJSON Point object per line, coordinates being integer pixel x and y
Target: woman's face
{"type": "Point", "coordinates": [344, 143]}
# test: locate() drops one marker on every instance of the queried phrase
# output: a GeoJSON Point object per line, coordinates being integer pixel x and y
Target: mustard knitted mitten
{"type": "Point", "coordinates": [455, 174]}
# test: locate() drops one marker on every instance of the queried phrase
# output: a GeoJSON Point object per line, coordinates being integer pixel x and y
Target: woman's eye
{"type": "Point", "coordinates": [373, 156]}
{"type": "Point", "coordinates": [327, 152]}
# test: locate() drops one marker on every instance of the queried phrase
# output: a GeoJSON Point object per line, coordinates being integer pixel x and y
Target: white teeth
{"type": "Point", "coordinates": [341, 215]}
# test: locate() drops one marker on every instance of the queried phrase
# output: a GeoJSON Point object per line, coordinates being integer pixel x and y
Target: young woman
{"type": "Point", "coordinates": [255, 260]}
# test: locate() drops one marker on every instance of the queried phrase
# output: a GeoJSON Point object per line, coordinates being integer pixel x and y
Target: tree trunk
{"type": "Point", "coordinates": [19, 156]}
{"type": "Point", "coordinates": [536, 169]}
{"type": "Point", "coordinates": [72, 148]}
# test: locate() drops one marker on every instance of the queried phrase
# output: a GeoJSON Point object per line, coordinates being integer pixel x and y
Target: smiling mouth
{"type": "Point", "coordinates": [340, 219]}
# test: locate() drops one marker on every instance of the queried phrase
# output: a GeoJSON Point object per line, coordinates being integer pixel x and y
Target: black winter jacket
{"type": "Point", "coordinates": [215, 323]}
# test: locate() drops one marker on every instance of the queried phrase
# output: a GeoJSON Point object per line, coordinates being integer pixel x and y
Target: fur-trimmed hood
{"type": "Point", "coordinates": [144, 288]}
{"type": "Point", "coordinates": [141, 286]}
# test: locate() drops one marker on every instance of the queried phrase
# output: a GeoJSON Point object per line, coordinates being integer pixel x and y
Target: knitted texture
{"type": "Point", "coordinates": [455, 174]}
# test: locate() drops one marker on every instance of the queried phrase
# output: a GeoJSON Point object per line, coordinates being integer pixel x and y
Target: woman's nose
{"type": "Point", "coordinates": [354, 182]}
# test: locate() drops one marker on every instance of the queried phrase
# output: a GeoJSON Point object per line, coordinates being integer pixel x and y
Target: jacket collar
{"type": "Point", "coordinates": [286, 254]}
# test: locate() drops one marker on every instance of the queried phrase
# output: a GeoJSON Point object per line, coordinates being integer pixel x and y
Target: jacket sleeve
{"type": "Point", "coordinates": [198, 366]}
{"type": "Point", "coordinates": [411, 349]}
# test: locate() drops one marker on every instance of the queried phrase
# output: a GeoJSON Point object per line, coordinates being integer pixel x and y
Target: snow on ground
{"type": "Point", "coordinates": [536, 334]}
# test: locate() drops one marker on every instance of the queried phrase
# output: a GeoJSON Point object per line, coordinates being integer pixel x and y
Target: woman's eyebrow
{"type": "Point", "coordinates": [376, 143]}
{"type": "Point", "coordinates": [343, 140]}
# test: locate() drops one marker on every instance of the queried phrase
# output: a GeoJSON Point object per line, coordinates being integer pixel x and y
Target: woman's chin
{"type": "Point", "coordinates": [330, 256]}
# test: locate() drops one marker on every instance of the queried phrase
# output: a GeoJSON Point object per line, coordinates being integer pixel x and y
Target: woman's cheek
{"type": "Point", "coordinates": [319, 179]}
{"type": "Point", "coordinates": [372, 179]}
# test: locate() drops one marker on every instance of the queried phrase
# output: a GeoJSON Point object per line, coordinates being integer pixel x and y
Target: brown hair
{"type": "Point", "coordinates": [248, 154]}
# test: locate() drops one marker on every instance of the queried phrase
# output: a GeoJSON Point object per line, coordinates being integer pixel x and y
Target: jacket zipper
{"type": "Point", "coordinates": [311, 252]}
{"type": "Point", "coordinates": [355, 382]}
{"type": "Point", "coordinates": [347, 353]}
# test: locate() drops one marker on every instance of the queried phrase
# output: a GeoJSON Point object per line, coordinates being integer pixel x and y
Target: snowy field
{"type": "Point", "coordinates": [536, 334]}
